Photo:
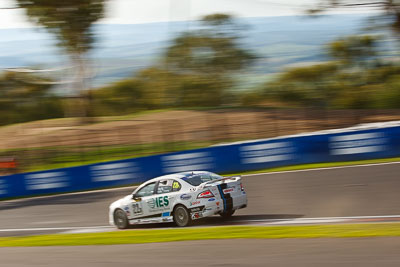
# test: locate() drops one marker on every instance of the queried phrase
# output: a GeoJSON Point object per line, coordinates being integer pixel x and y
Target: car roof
{"type": "Point", "coordinates": [179, 175]}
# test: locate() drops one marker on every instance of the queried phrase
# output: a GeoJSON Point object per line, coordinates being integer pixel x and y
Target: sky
{"type": "Point", "coordinates": [145, 11]}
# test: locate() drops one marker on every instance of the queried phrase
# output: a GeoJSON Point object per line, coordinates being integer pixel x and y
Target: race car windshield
{"type": "Point", "coordinates": [198, 179]}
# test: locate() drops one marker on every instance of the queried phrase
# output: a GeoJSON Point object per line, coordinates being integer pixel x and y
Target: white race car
{"type": "Point", "coordinates": [180, 198]}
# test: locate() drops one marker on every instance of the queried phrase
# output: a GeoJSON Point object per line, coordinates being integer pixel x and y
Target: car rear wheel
{"type": "Point", "coordinates": [181, 216]}
{"type": "Point", "coordinates": [227, 214]}
{"type": "Point", "coordinates": [120, 219]}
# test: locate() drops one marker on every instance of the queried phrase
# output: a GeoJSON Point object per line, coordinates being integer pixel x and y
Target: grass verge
{"type": "Point", "coordinates": [186, 234]}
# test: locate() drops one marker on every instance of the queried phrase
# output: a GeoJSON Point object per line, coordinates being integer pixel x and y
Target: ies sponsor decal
{"type": "Point", "coordinates": [158, 202]}
{"type": "Point", "coordinates": [211, 199]}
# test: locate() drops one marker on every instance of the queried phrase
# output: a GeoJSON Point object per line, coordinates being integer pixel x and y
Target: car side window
{"type": "Point", "coordinates": [205, 177]}
{"type": "Point", "coordinates": [176, 186]}
{"type": "Point", "coordinates": [167, 186]}
{"type": "Point", "coordinates": [147, 190]}
{"type": "Point", "coordinates": [215, 176]}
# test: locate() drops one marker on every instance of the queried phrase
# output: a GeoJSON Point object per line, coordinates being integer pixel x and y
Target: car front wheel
{"type": "Point", "coordinates": [120, 219]}
{"type": "Point", "coordinates": [181, 216]}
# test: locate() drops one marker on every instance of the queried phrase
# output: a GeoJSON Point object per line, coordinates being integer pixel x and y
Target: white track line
{"type": "Point", "coordinates": [316, 220]}
{"type": "Point", "coordinates": [334, 218]}
{"type": "Point", "coordinates": [55, 228]}
{"type": "Point", "coordinates": [305, 221]}
{"type": "Point", "coordinates": [133, 187]}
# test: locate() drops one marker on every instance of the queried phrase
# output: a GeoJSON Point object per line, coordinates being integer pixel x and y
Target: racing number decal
{"type": "Point", "coordinates": [136, 208]}
{"type": "Point", "coordinates": [176, 185]}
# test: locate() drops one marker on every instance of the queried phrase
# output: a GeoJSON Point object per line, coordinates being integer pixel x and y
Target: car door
{"type": "Point", "coordinates": [166, 193]}
{"type": "Point", "coordinates": [139, 207]}
{"type": "Point", "coordinates": [156, 200]}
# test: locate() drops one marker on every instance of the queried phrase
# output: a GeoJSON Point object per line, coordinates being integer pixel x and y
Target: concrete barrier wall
{"type": "Point", "coordinates": [357, 143]}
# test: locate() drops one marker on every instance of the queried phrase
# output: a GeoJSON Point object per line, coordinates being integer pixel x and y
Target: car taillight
{"type": "Point", "coordinates": [205, 194]}
{"type": "Point", "coordinates": [241, 187]}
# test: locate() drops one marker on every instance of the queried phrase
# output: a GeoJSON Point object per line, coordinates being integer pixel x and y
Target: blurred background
{"type": "Point", "coordinates": [85, 81]}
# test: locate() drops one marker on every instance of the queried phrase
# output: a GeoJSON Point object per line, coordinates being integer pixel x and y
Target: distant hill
{"type": "Point", "coordinates": [123, 49]}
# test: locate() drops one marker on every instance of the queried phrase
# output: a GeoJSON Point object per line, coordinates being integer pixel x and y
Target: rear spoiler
{"type": "Point", "coordinates": [237, 177]}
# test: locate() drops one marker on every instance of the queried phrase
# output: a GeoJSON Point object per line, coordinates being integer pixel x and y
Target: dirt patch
{"type": "Point", "coordinates": [168, 126]}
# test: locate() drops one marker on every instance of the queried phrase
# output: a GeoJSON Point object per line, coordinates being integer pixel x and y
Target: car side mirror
{"type": "Point", "coordinates": [134, 197]}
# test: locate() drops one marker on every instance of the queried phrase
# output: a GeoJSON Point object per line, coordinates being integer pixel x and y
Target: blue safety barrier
{"type": "Point", "coordinates": [339, 145]}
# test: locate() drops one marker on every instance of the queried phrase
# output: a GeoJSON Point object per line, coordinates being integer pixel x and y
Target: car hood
{"type": "Point", "coordinates": [120, 202]}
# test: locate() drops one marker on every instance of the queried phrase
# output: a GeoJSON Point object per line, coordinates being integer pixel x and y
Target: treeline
{"type": "Point", "coordinates": [355, 78]}
{"type": "Point", "coordinates": [25, 97]}
{"type": "Point", "coordinates": [195, 71]}
{"type": "Point", "coordinates": [200, 68]}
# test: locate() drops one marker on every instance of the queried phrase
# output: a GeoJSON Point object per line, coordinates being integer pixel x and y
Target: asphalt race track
{"type": "Point", "coordinates": [373, 252]}
{"type": "Point", "coordinates": [371, 190]}
{"type": "Point", "coordinates": [338, 192]}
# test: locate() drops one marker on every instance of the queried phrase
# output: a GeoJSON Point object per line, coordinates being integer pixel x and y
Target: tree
{"type": "Point", "coordinates": [217, 19]}
{"type": "Point", "coordinates": [26, 97]}
{"type": "Point", "coordinates": [353, 49]}
{"type": "Point", "coordinates": [309, 86]}
{"type": "Point", "coordinates": [212, 49]}
{"type": "Point", "coordinates": [389, 8]}
{"type": "Point", "coordinates": [194, 71]}
{"type": "Point", "coordinates": [70, 21]}
{"type": "Point", "coordinates": [208, 55]}
{"type": "Point", "coordinates": [122, 97]}
{"type": "Point", "coordinates": [347, 81]}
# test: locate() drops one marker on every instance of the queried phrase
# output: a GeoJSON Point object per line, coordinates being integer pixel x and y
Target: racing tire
{"type": "Point", "coordinates": [120, 219]}
{"type": "Point", "coordinates": [181, 216]}
{"type": "Point", "coordinates": [227, 214]}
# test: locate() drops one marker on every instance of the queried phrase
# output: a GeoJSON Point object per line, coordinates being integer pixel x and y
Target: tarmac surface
{"type": "Point", "coordinates": [279, 252]}
{"type": "Point", "coordinates": [371, 190]}
{"type": "Point", "coordinates": [286, 197]}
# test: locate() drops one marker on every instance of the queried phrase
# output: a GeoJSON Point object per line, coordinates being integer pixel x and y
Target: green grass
{"type": "Point", "coordinates": [319, 165]}
{"type": "Point", "coordinates": [185, 234]}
